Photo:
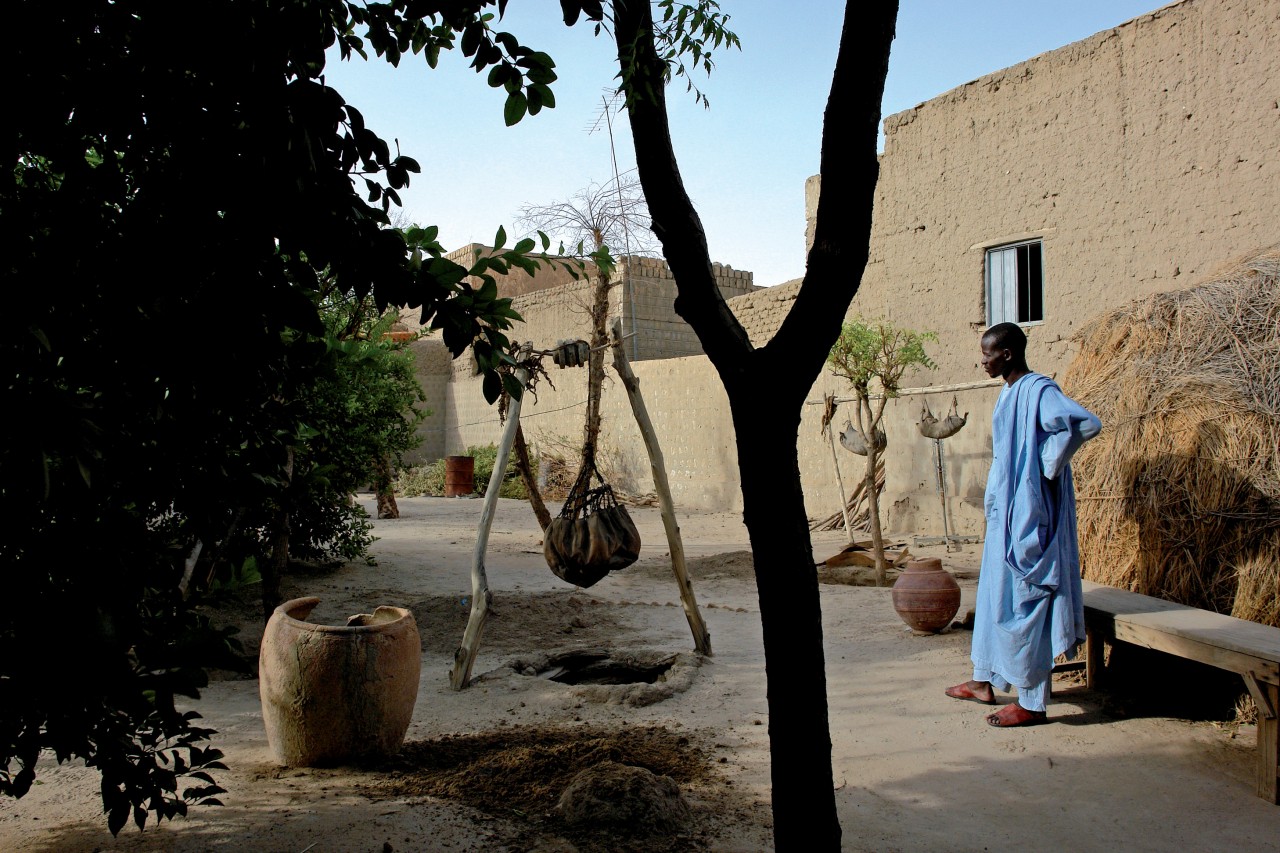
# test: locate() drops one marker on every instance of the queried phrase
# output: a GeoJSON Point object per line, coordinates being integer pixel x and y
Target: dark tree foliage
{"type": "Point", "coordinates": [173, 189]}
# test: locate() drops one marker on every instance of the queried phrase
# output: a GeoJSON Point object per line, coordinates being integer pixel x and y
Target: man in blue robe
{"type": "Point", "coordinates": [1029, 607]}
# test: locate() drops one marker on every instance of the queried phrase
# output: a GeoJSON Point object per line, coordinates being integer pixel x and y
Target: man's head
{"type": "Point", "coordinates": [1004, 351]}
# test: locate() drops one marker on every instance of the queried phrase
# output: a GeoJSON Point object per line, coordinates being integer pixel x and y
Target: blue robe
{"type": "Point", "coordinates": [1029, 607]}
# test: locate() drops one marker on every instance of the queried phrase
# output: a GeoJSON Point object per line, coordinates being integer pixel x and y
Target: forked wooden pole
{"type": "Point", "coordinates": [844, 501]}
{"type": "Point", "coordinates": [465, 657]}
{"type": "Point", "coordinates": [701, 637]}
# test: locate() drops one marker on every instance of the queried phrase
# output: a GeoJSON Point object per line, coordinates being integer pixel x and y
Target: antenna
{"type": "Point", "coordinates": [607, 106]}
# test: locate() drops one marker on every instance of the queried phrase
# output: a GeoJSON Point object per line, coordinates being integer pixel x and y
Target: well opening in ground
{"type": "Point", "coordinates": [599, 667]}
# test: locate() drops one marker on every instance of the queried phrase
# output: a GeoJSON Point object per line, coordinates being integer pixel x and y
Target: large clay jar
{"type": "Point", "coordinates": [926, 596]}
{"type": "Point", "coordinates": [335, 694]}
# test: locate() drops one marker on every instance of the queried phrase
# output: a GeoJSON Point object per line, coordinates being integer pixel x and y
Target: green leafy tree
{"type": "Point", "coordinates": [873, 357]}
{"type": "Point", "coordinates": [357, 414]}
{"type": "Point", "coordinates": [173, 194]}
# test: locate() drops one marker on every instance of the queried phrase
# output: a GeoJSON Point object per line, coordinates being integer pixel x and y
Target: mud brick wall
{"type": "Point", "coordinates": [432, 364]}
{"type": "Point", "coordinates": [1144, 157]}
{"type": "Point", "coordinates": [647, 305]}
{"type": "Point", "coordinates": [516, 281]}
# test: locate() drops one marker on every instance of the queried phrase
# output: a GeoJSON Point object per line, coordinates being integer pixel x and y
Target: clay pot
{"type": "Point", "coordinates": [926, 596]}
{"type": "Point", "coordinates": [334, 694]}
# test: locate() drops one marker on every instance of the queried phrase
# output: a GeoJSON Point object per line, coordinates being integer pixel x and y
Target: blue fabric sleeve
{"type": "Point", "coordinates": [1066, 426]}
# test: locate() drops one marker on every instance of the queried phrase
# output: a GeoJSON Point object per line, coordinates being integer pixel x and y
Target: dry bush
{"type": "Point", "coordinates": [1179, 497]}
{"type": "Point", "coordinates": [559, 458]}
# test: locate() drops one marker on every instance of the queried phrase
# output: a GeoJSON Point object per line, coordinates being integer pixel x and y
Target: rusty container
{"type": "Point", "coordinates": [926, 596]}
{"type": "Point", "coordinates": [459, 476]}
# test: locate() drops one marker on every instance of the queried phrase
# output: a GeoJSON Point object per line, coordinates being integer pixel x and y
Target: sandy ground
{"type": "Point", "coordinates": [915, 771]}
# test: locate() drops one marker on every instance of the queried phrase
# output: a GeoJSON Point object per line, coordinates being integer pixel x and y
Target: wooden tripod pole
{"type": "Point", "coordinates": [465, 657]}
{"type": "Point", "coordinates": [701, 637]}
{"type": "Point", "coordinates": [942, 495]}
{"type": "Point", "coordinates": [844, 501]}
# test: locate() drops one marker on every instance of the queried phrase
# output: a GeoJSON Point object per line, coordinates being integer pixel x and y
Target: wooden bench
{"type": "Point", "coordinates": [1248, 648]}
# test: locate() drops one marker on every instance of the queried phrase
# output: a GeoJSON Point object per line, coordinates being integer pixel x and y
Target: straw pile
{"type": "Point", "coordinates": [1179, 497]}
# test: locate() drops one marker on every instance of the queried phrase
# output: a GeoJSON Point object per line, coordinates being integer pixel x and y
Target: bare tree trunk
{"type": "Point", "coordinates": [595, 365]}
{"type": "Point", "coordinates": [386, 496]}
{"type": "Point", "coordinates": [782, 371]}
{"type": "Point", "coordinates": [530, 482]}
{"type": "Point", "coordinates": [873, 506]}
{"type": "Point", "coordinates": [869, 423]}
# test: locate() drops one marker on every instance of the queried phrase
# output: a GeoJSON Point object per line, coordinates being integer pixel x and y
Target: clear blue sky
{"type": "Point", "coordinates": [744, 161]}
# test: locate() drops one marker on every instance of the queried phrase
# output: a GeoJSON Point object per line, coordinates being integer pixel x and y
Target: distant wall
{"type": "Point", "coordinates": [642, 298]}
{"type": "Point", "coordinates": [647, 306]}
{"type": "Point", "coordinates": [432, 366]}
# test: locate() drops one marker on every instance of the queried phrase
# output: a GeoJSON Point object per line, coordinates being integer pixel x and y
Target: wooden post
{"type": "Point", "coordinates": [942, 495]}
{"type": "Point", "coordinates": [835, 461]}
{"type": "Point", "coordinates": [465, 657]}
{"type": "Point", "coordinates": [1267, 698]}
{"type": "Point", "coordinates": [701, 637]}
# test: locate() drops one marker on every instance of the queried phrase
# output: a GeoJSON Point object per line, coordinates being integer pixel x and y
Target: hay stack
{"type": "Point", "coordinates": [1179, 497]}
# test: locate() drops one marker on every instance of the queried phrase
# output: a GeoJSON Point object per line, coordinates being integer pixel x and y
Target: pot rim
{"type": "Point", "coordinates": [308, 603]}
{"type": "Point", "coordinates": [924, 564]}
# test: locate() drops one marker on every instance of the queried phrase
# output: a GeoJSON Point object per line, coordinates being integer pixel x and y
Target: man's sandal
{"type": "Point", "coordinates": [965, 692]}
{"type": "Point", "coordinates": [1012, 715]}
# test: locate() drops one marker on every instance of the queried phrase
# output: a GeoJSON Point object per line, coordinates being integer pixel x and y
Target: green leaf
{"type": "Point", "coordinates": [541, 76]}
{"type": "Point", "coordinates": [471, 38]}
{"type": "Point", "coordinates": [516, 107]}
{"type": "Point", "coordinates": [512, 386]}
{"type": "Point", "coordinates": [500, 239]}
{"type": "Point", "coordinates": [545, 93]}
{"type": "Point", "coordinates": [525, 263]}
{"type": "Point", "coordinates": [492, 387]}
{"type": "Point", "coordinates": [118, 817]}
{"type": "Point", "coordinates": [542, 59]}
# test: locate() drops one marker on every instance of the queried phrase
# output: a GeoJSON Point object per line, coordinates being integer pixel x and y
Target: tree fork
{"type": "Point", "coordinates": [790, 613]}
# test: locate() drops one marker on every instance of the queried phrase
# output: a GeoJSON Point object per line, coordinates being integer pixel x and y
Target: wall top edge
{"type": "Point", "coordinates": [902, 117]}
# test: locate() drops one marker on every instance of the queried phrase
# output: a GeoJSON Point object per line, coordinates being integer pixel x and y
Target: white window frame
{"type": "Point", "coordinates": [1010, 292]}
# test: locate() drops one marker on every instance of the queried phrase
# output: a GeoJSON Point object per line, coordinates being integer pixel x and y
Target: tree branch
{"type": "Point", "coordinates": [675, 222]}
{"type": "Point", "coordinates": [849, 171]}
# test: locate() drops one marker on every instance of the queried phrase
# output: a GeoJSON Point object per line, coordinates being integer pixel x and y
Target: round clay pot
{"type": "Point", "coordinates": [334, 694]}
{"type": "Point", "coordinates": [926, 596]}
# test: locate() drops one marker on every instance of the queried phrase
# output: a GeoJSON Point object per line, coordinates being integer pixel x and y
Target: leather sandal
{"type": "Point", "coordinates": [1013, 715]}
{"type": "Point", "coordinates": [965, 691]}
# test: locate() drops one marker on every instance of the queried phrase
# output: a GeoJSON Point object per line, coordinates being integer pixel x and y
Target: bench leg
{"type": "Point", "coordinates": [1092, 656]}
{"type": "Point", "coordinates": [1269, 744]}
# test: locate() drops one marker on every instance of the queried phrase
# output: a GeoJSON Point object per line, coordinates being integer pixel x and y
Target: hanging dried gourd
{"type": "Point", "coordinates": [931, 427]}
{"type": "Point", "coordinates": [593, 535]}
{"type": "Point", "coordinates": [853, 441]}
